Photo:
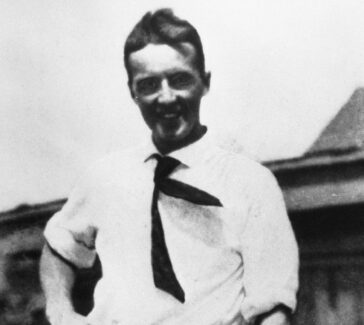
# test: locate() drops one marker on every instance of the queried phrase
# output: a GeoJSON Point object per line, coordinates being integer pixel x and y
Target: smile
{"type": "Point", "coordinates": [170, 116]}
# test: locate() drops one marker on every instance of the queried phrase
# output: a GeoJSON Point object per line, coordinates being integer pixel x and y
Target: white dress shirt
{"type": "Point", "coordinates": [233, 262]}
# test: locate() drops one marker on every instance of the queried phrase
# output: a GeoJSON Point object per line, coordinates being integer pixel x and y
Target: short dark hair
{"type": "Point", "coordinates": [163, 27]}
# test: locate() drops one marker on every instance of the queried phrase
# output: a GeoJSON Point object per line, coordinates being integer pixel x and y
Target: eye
{"type": "Point", "coordinates": [181, 80]}
{"type": "Point", "coordinates": [147, 86]}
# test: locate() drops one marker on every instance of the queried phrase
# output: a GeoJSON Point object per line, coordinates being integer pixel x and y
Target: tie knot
{"type": "Point", "coordinates": [165, 166]}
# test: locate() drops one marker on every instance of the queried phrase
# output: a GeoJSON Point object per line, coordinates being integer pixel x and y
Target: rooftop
{"type": "Point", "coordinates": [341, 142]}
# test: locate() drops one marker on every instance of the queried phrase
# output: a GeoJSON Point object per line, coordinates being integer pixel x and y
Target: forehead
{"type": "Point", "coordinates": [160, 58]}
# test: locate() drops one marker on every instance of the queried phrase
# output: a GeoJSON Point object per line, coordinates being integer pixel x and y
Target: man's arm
{"type": "Point", "coordinates": [57, 278]}
{"type": "Point", "coordinates": [270, 256]}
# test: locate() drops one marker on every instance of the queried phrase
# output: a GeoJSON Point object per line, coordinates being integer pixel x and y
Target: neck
{"type": "Point", "coordinates": [168, 147]}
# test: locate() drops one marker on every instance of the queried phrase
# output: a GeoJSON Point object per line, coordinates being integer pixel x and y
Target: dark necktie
{"type": "Point", "coordinates": [163, 274]}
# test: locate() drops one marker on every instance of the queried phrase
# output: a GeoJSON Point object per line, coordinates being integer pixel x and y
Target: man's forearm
{"type": "Point", "coordinates": [57, 278]}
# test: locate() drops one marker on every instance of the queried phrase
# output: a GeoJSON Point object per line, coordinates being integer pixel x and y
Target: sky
{"type": "Point", "coordinates": [280, 72]}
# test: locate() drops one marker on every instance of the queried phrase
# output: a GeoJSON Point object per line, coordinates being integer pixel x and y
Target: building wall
{"type": "Point", "coordinates": [331, 242]}
{"type": "Point", "coordinates": [21, 298]}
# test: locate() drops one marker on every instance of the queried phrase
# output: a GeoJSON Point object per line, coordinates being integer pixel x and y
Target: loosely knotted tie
{"type": "Point", "coordinates": [163, 273]}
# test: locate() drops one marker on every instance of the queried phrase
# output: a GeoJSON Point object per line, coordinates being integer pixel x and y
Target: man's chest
{"type": "Point", "coordinates": [126, 217]}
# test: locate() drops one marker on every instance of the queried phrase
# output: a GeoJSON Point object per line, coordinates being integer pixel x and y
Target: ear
{"type": "Point", "coordinates": [132, 94]}
{"type": "Point", "coordinates": [207, 81]}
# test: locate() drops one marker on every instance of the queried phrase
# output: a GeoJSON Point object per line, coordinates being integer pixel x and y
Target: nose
{"type": "Point", "coordinates": [166, 94]}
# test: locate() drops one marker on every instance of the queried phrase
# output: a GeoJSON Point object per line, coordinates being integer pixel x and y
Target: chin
{"type": "Point", "coordinates": [173, 134]}
{"type": "Point", "coordinates": [177, 135]}
{"type": "Point", "coordinates": [172, 139]}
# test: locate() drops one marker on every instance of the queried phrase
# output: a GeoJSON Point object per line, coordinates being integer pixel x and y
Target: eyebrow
{"type": "Point", "coordinates": [168, 73]}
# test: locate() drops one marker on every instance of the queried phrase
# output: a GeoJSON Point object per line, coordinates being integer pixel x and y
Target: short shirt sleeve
{"type": "Point", "coordinates": [71, 232]}
{"type": "Point", "coordinates": [270, 251]}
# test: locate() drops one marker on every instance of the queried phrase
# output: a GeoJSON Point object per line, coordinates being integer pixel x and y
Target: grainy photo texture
{"type": "Point", "coordinates": [174, 163]}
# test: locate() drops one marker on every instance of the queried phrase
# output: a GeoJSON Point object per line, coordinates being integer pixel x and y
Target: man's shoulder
{"type": "Point", "coordinates": [241, 162]}
{"type": "Point", "coordinates": [243, 172]}
{"type": "Point", "coordinates": [251, 178]}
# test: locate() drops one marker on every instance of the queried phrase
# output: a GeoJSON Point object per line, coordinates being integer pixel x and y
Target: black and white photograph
{"type": "Point", "coordinates": [169, 162]}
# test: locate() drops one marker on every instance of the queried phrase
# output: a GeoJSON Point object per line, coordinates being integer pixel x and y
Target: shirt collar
{"type": "Point", "coordinates": [189, 155]}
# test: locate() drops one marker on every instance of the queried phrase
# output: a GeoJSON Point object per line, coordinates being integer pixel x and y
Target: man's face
{"type": "Point", "coordinates": [167, 87]}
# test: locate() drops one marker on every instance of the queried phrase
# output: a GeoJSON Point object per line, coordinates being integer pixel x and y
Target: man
{"type": "Point", "coordinates": [186, 233]}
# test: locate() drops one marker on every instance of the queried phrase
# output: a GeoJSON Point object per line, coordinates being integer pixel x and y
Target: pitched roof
{"type": "Point", "coordinates": [345, 132]}
{"type": "Point", "coordinates": [341, 142]}
{"type": "Point", "coordinates": [332, 170]}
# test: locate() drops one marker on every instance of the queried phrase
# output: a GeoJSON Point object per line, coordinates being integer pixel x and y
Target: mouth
{"type": "Point", "coordinates": [170, 116]}
{"type": "Point", "coordinates": [171, 112]}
